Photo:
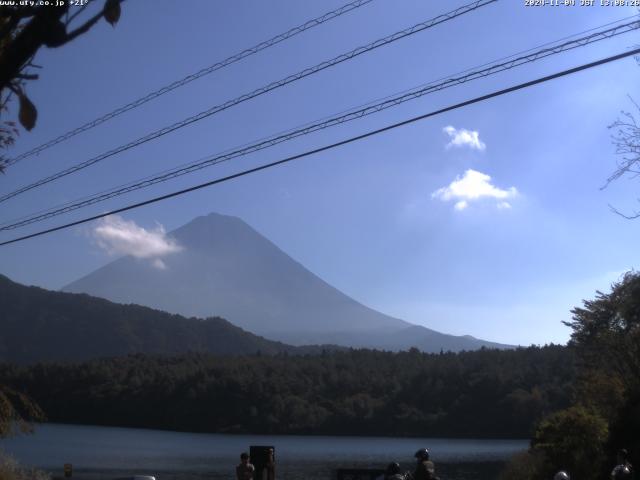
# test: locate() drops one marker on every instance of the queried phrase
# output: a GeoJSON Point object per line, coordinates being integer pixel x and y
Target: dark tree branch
{"type": "Point", "coordinates": [628, 217]}
{"type": "Point", "coordinates": [626, 139]}
{"type": "Point", "coordinates": [85, 27]}
{"type": "Point", "coordinates": [89, 23]}
{"type": "Point", "coordinates": [44, 28]}
{"type": "Point", "coordinates": [25, 45]}
{"type": "Point", "coordinates": [9, 26]}
{"type": "Point", "coordinates": [23, 31]}
{"type": "Point", "coordinates": [15, 88]}
{"type": "Point", "coordinates": [27, 76]}
{"type": "Point", "coordinates": [80, 10]}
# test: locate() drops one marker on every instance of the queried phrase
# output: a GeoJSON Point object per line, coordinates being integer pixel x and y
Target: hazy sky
{"type": "Point", "coordinates": [488, 220]}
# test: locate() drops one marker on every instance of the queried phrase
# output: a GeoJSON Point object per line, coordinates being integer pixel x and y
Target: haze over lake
{"type": "Point", "coordinates": [107, 452]}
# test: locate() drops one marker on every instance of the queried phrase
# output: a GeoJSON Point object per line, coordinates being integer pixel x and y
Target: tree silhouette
{"type": "Point", "coordinates": [627, 142]}
{"type": "Point", "coordinates": [24, 29]}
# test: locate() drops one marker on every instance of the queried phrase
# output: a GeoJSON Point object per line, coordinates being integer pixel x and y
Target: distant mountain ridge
{"type": "Point", "coordinates": [39, 325]}
{"type": "Point", "coordinates": [228, 269]}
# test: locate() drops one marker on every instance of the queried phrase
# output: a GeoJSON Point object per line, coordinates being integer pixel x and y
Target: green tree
{"type": "Point", "coordinates": [605, 415]}
{"type": "Point", "coordinates": [606, 332]}
{"type": "Point", "coordinates": [572, 440]}
{"type": "Point", "coordinates": [606, 337]}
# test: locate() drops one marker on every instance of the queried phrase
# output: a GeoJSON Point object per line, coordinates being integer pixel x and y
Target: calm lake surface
{"type": "Point", "coordinates": [101, 453]}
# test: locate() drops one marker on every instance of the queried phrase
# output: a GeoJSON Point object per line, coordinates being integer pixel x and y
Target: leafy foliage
{"type": "Point", "coordinates": [525, 466]}
{"type": "Point", "coordinates": [10, 469]}
{"type": "Point", "coordinates": [16, 411]}
{"type": "Point", "coordinates": [28, 113]}
{"type": "Point", "coordinates": [572, 440]}
{"type": "Point", "coordinates": [606, 331]}
{"type": "Point", "coordinates": [606, 338]}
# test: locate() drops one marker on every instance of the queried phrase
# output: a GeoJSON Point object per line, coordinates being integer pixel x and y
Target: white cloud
{"type": "Point", "coordinates": [463, 137]}
{"type": "Point", "coordinates": [121, 237]}
{"type": "Point", "coordinates": [159, 264]}
{"type": "Point", "coordinates": [473, 186]}
{"type": "Point", "coordinates": [461, 205]}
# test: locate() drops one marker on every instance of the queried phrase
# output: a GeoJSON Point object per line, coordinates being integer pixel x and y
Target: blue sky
{"type": "Point", "coordinates": [382, 220]}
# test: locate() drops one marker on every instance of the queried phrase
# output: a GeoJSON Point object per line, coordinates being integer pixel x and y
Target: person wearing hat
{"type": "Point", "coordinates": [623, 470]}
{"type": "Point", "coordinates": [425, 469]}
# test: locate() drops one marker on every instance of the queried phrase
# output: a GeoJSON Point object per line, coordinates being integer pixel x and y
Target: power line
{"type": "Point", "coordinates": [335, 145]}
{"type": "Point", "coordinates": [311, 127]}
{"type": "Point", "coordinates": [194, 76]}
{"type": "Point", "coordinates": [327, 123]}
{"type": "Point", "coordinates": [260, 91]}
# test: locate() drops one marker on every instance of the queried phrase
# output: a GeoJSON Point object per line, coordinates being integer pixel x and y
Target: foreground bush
{"type": "Point", "coordinates": [10, 469]}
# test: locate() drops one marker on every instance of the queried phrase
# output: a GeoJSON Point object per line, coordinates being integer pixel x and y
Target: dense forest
{"type": "Point", "coordinates": [486, 393]}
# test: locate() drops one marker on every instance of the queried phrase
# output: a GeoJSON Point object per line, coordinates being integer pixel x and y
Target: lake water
{"type": "Point", "coordinates": [101, 453]}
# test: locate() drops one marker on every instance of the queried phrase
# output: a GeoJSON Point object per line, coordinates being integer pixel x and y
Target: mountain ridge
{"type": "Point", "coordinates": [44, 325]}
{"type": "Point", "coordinates": [227, 268]}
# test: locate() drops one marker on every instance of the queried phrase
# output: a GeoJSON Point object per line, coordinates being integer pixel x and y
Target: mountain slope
{"type": "Point", "coordinates": [226, 268]}
{"type": "Point", "coordinates": [41, 325]}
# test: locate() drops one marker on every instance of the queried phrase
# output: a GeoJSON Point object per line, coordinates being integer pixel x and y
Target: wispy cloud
{"type": "Point", "coordinates": [121, 237]}
{"type": "Point", "coordinates": [474, 186]}
{"type": "Point", "coordinates": [159, 264]}
{"type": "Point", "coordinates": [461, 137]}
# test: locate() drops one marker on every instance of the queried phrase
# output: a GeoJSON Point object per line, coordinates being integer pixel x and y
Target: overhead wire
{"type": "Point", "coordinates": [368, 109]}
{"type": "Point", "coordinates": [191, 77]}
{"type": "Point", "coordinates": [334, 145]}
{"type": "Point", "coordinates": [419, 27]}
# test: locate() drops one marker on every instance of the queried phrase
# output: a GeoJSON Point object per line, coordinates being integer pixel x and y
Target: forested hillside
{"type": "Point", "coordinates": [486, 393]}
{"type": "Point", "coordinates": [42, 325]}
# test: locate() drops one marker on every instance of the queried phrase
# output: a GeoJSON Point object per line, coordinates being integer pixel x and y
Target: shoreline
{"type": "Point", "coordinates": [460, 470]}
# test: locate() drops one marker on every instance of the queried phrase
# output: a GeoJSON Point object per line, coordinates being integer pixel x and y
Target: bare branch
{"type": "Point", "coordinates": [15, 88]}
{"type": "Point", "coordinates": [628, 217]}
{"type": "Point", "coordinates": [626, 139]}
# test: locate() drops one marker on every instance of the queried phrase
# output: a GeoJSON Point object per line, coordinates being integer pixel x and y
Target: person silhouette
{"type": "Point", "coordinates": [245, 470]}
